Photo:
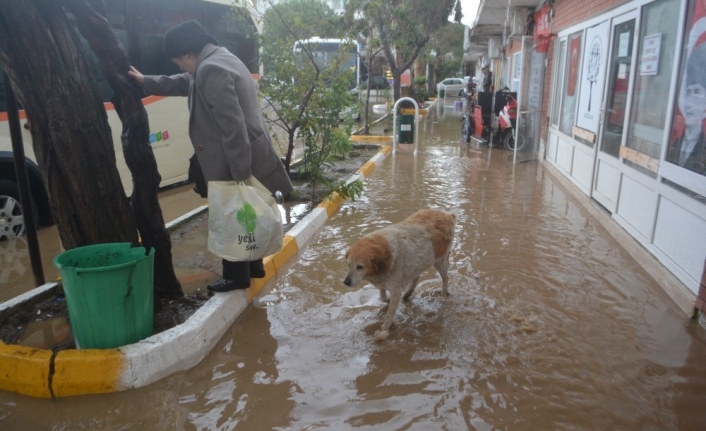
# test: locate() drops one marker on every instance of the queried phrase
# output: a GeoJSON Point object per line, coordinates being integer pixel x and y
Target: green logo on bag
{"type": "Point", "coordinates": [247, 217]}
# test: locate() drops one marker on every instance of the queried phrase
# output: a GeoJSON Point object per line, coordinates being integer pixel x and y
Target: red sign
{"type": "Point", "coordinates": [542, 28]}
{"type": "Point", "coordinates": [542, 25]}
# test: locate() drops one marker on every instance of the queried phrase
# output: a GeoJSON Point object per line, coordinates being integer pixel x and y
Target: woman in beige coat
{"type": "Point", "coordinates": [226, 126]}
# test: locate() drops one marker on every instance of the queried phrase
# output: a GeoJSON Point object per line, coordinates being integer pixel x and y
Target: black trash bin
{"type": "Point", "coordinates": [405, 132]}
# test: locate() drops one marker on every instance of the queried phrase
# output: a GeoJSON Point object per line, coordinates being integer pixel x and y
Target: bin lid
{"type": "Point", "coordinates": [101, 257]}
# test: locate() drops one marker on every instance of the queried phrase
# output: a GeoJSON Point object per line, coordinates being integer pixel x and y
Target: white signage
{"type": "Point", "coordinates": [624, 44]}
{"type": "Point", "coordinates": [595, 56]}
{"type": "Point", "coordinates": [649, 63]}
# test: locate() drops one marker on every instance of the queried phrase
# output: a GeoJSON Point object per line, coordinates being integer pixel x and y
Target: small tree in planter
{"type": "Point", "coordinates": [327, 128]}
{"type": "Point", "coordinates": [307, 99]}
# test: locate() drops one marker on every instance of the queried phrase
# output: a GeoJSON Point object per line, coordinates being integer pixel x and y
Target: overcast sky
{"type": "Point", "coordinates": [469, 9]}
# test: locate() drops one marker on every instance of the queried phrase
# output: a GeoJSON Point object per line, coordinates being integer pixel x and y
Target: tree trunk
{"type": "Point", "coordinates": [127, 99]}
{"type": "Point", "coordinates": [70, 133]}
{"type": "Point", "coordinates": [71, 136]}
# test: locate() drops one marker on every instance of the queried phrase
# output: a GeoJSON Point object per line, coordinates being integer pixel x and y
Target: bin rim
{"type": "Point", "coordinates": [103, 268]}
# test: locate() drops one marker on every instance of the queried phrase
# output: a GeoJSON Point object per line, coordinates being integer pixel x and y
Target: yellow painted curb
{"type": "Point", "coordinates": [256, 285]}
{"type": "Point", "coordinates": [371, 138]}
{"type": "Point", "coordinates": [89, 371]}
{"type": "Point", "coordinates": [422, 111]}
{"type": "Point", "coordinates": [386, 150]}
{"type": "Point", "coordinates": [289, 249]}
{"type": "Point", "coordinates": [25, 370]}
{"type": "Point", "coordinates": [367, 169]}
{"type": "Point", "coordinates": [332, 203]}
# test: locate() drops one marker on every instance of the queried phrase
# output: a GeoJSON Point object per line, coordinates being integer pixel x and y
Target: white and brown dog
{"type": "Point", "coordinates": [393, 258]}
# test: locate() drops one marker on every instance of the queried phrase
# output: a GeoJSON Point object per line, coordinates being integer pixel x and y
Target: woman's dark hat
{"type": "Point", "coordinates": [186, 38]}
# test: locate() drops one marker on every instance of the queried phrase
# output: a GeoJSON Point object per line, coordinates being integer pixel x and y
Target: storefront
{"type": "Point", "coordinates": [626, 114]}
{"type": "Point", "coordinates": [615, 99]}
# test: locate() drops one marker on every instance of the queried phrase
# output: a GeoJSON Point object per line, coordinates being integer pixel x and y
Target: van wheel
{"type": "Point", "coordinates": [12, 220]}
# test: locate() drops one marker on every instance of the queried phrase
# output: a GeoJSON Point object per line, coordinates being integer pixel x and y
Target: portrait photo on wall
{"type": "Point", "coordinates": [688, 146]}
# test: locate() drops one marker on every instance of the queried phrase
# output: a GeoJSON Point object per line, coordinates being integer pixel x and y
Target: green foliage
{"type": "Point", "coordinates": [403, 27]}
{"type": "Point", "coordinates": [420, 88]}
{"type": "Point", "coordinates": [448, 45]}
{"type": "Point", "coordinates": [308, 100]}
{"type": "Point", "coordinates": [349, 191]}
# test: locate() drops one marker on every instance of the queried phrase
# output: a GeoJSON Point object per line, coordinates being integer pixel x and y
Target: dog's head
{"type": "Point", "coordinates": [368, 257]}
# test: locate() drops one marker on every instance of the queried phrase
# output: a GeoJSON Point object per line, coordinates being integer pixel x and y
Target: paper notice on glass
{"type": "Point", "coordinates": [623, 71]}
{"type": "Point", "coordinates": [623, 44]}
{"type": "Point", "coordinates": [649, 63]}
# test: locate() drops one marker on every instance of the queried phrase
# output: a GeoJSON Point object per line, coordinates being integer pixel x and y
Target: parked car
{"type": "Point", "coordinates": [452, 86]}
{"type": "Point", "coordinates": [377, 83]}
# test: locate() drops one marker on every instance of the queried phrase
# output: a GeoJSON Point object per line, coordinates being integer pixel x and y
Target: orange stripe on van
{"type": "Point", "coordinates": [3, 115]}
{"type": "Point", "coordinates": [109, 106]}
{"type": "Point", "coordinates": [146, 101]}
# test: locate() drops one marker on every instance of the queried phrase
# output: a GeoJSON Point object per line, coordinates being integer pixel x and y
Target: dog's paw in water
{"type": "Point", "coordinates": [381, 335]}
{"type": "Point", "coordinates": [439, 293]}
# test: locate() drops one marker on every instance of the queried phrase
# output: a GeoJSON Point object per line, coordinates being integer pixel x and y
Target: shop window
{"type": "Point", "coordinates": [560, 68]}
{"type": "Point", "coordinates": [687, 147]}
{"type": "Point", "coordinates": [570, 93]}
{"type": "Point", "coordinates": [656, 52]}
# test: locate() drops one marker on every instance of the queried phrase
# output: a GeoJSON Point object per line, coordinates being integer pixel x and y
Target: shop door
{"type": "Point", "coordinates": [614, 113]}
{"type": "Point", "coordinates": [530, 92]}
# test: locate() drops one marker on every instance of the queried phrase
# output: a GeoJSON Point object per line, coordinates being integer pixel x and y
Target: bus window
{"type": "Point", "coordinates": [325, 50]}
{"type": "Point", "coordinates": [152, 59]}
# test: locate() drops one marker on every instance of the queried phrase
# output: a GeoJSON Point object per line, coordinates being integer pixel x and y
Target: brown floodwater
{"type": "Point", "coordinates": [550, 325]}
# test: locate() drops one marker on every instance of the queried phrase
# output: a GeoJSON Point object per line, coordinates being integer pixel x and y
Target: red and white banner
{"type": "Point", "coordinates": [543, 28]}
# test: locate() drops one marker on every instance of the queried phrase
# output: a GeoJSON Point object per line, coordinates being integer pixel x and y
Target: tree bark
{"type": "Point", "coordinates": [42, 55]}
{"type": "Point", "coordinates": [127, 99]}
{"type": "Point", "coordinates": [70, 133]}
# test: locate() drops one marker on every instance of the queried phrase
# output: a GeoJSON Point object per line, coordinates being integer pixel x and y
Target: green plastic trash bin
{"type": "Point", "coordinates": [109, 294]}
{"type": "Point", "coordinates": [442, 92]}
{"type": "Point", "coordinates": [405, 133]}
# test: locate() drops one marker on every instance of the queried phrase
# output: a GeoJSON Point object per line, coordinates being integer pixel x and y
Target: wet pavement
{"type": "Point", "coordinates": [550, 324]}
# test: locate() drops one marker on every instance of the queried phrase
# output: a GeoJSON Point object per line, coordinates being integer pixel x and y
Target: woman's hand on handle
{"type": "Point", "coordinates": [140, 78]}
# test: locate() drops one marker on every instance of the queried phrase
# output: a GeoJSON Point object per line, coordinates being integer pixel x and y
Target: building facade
{"type": "Point", "coordinates": [615, 96]}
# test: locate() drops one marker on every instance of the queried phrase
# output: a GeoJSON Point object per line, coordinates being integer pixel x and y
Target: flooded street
{"type": "Point", "coordinates": [550, 324]}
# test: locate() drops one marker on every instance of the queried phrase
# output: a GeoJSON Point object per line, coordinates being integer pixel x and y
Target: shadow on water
{"type": "Point", "coordinates": [550, 325]}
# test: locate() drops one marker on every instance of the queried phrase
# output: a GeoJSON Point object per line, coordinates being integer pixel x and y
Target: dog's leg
{"type": "Point", "coordinates": [442, 267]}
{"type": "Point", "coordinates": [410, 289]}
{"type": "Point", "coordinates": [383, 294]}
{"type": "Point", "coordinates": [395, 297]}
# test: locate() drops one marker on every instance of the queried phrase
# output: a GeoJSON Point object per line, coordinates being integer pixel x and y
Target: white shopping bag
{"type": "Point", "coordinates": [244, 222]}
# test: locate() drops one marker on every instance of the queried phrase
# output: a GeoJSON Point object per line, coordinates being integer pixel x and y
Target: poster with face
{"type": "Point", "coordinates": [687, 149]}
{"type": "Point", "coordinates": [574, 56]}
{"type": "Point", "coordinates": [595, 55]}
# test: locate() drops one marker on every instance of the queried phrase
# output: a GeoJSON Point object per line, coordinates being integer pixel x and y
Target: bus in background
{"type": "Point", "coordinates": [325, 50]}
{"type": "Point", "coordinates": [140, 25]}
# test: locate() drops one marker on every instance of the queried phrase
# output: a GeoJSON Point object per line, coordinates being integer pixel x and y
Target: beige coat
{"type": "Point", "coordinates": [226, 126]}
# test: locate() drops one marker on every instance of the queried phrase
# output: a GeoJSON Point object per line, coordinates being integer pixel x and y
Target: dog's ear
{"type": "Point", "coordinates": [379, 265]}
